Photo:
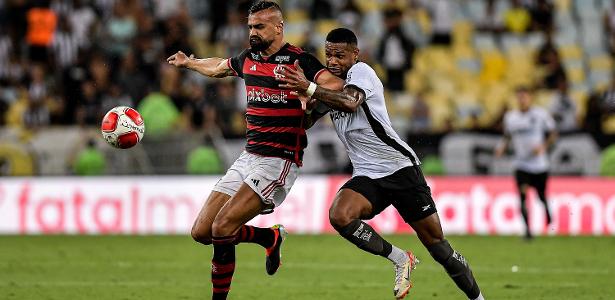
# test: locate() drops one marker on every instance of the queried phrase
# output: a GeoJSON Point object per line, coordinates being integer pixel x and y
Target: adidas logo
{"type": "Point", "coordinates": [253, 68]}
{"type": "Point", "coordinates": [255, 181]}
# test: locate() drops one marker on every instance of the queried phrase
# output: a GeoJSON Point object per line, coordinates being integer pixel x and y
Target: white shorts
{"type": "Point", "coordinates": [270, 177]}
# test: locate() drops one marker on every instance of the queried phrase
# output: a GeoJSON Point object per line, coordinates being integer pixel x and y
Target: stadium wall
{"type": "Point", "coordinates": [168, 205]}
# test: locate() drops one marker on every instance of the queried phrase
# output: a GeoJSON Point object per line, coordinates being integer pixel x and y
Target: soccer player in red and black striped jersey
{"type": "Point", "coordinates": [262, 176]}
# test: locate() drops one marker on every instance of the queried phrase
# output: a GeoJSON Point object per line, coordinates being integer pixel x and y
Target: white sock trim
{"type": "Point", "coordinates": [398, 256]}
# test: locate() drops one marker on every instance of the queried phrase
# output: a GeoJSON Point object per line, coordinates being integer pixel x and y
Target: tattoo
{"type": "Point", "coordinates": [347, 100]}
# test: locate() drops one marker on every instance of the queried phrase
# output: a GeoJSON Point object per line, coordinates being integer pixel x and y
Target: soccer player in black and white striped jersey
{"type": "Point", "coordinates": [65, 44]}
{"type": "Point", "coordinates": [526, 129]}
{"type": "Point", "coordinates": [386, 171]}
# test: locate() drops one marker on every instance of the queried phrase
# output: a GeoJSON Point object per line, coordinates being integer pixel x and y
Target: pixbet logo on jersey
{"type": "Point", "coordinates": [255, 95]}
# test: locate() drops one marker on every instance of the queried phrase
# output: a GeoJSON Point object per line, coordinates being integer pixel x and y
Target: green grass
{"type": "Point", "coordinates": [315, 267]}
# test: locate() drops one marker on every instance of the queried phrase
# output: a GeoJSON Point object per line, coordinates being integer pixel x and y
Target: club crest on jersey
{"type": "Point", "coordinates": [261, 95]}
{"type": "Point", "coordinates": [282, 58]}
{"type": "Point", "coordinates": [277, 70]}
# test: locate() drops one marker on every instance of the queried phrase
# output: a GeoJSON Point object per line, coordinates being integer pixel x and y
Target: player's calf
{"type": "Point", "coordinates": [456, 266]}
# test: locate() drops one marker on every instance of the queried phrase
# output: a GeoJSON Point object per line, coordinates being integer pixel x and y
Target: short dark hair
{"type": "Point", "coordinates": [522, 89]}
{"type": "Point", "coordinates": [262, 5]}
{"type": "Point", "coordinates": [342, 35]}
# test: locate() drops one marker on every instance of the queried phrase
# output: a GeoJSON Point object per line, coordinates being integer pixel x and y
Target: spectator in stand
{"type": "Point", "coordinates": [420, 120]}
{"type": "Point", "coordinates": [395, 50]}
{"type": "Point", "coordinates": [120, 30]}
{"type": "Point", "coordinates": [350, 16]}
{"type": "Point", "coordinates": [65, 44]}
{"type": "Point", "coordinates": [41, 27]}
{"type": "Point", "coordinates": [83, 20]}
{"type": "Point", "coordinates": [130, 77]}
{"type": "Point", "coordinates": [115, 97]}
{"type": "Point", "coordinates": [37, 113]}
{"type": "Point", "coordinates": [517, 19]}
{"type": "Point", "coordinates": [491, 21]}
{"type": "Point", "coordinates": [442, 16]}
{"type": "Point", "coordinates": [549, 61]}
{"type": "Point", "coordinates": [321, 9]}
{"type": "Point", "coordinates": [89, 112]}
{"type": "Point", "coordinates": [542, 15]}
{"type": "Point", "coordinates": [233, 34]}
{"type": "Point", "coordinates": [563, 109]}
{"type": "Point", "coordinates": [221, 110]}
{"type": "Point", "coordinates": [194, 110]}
{"type": "Point", "coordinates": [6, 48]}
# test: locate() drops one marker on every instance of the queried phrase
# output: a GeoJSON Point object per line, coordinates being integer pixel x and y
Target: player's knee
{"type": "Point", "coordinates": [221, 227]}
{"type": "Point", "coordinates": [440, 251]}
{"type": "Point", "coordinates": [200, 235]}
{"type": "Point", "coordinates": [339, 218]}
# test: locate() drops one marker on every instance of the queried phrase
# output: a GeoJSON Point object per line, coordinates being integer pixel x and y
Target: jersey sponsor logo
{"type": "Point", "coordinates": [336, 115]}
{"type": "Point", "coordinates": [282, 58]}
{"type": "Point", "coordinates": [255, 95]}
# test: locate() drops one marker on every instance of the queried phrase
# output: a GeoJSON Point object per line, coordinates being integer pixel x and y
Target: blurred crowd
{"type": "Point", "coordinates": [447, 64]}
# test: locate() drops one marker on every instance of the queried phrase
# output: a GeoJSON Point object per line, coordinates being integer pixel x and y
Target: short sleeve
{"type": "Point", "coordinates": [360, 76]}
{"type": "Point", "coordinates": [236, 62]}
{"type": "Point", "coordinates": [312, 68]}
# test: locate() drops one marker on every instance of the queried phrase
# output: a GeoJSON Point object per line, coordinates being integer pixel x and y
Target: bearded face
{"type": "Point", "coordinates": [259, 44]}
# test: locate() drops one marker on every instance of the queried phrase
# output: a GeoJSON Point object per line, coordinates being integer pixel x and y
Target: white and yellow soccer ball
{"type": "Point", "coordinates": [122, 127]}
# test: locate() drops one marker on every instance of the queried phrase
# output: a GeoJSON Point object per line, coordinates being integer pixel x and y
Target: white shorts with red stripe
{"type": "Point", "coordinates": [270, 177]}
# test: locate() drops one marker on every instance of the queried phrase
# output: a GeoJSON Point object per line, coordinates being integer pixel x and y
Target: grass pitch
{"type": "Point", "coordinates": [314, 267]}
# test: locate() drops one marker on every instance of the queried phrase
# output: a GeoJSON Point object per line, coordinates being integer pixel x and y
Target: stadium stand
{"type": "Point", "coordinates": [467, 58]}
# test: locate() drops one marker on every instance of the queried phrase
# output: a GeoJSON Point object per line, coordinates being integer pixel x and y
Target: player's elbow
{"type": "Point", "coordinates": [350, 105]}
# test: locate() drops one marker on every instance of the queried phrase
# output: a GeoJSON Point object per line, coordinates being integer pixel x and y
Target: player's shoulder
{"type": "Point", "coordinates": [540, 111]}
{"type": "Point", "coordinates": [360, 70]}
{"type": "Point", "coordinates": [361, 67]}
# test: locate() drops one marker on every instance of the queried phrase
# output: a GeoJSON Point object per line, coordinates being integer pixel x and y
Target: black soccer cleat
{"type": "Point", "coordinates": [274, 253]}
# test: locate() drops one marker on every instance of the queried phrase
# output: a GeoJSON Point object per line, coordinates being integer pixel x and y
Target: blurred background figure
{"type": "Point", "coordinates": [395, 50]}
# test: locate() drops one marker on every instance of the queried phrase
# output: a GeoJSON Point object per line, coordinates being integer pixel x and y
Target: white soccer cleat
{"type": "Point", "coordinates": [402, 276]}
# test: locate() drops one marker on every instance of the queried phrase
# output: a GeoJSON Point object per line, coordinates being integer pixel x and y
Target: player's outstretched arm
{"type": "Point", "coordinates": [212, 67]}
{"type": "Point", "coordinates": [346, 100]}
{"type": "Point", "coordinates": [500, 149]}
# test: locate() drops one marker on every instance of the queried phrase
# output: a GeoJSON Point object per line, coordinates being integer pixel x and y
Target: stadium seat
{"type": "Point", "coordinates": [440, 111]}
{"type": "Point", "coordinates": [602, 62]}
{"type": "Point", "coordinates": [570, 52]}
{"type": "Point", "coordinates": [462, 33]}
{"type": "Point", "coordinates": [494, 66]}
{"type": "Point", "coordinates": [562, 5]}
{"type": "Point", "coordinates": [484, 42]}
{"type": "Point", "coordinates": [296, 16]}
{"type": "Point", "coordinates": [325, 26]}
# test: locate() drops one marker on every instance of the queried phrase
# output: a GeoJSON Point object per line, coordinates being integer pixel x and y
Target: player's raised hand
{"type": "Point", "coordinates": [179, 59]}
{"type": "Point", "coordinates": [293, 78]}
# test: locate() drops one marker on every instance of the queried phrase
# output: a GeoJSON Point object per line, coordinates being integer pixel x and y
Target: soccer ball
{"type": "Point", "coordinates": [122, 127]}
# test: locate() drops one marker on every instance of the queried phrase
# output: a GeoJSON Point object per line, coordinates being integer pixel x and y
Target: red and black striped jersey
{"type": "Point", "coordinates": [274, 116]}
